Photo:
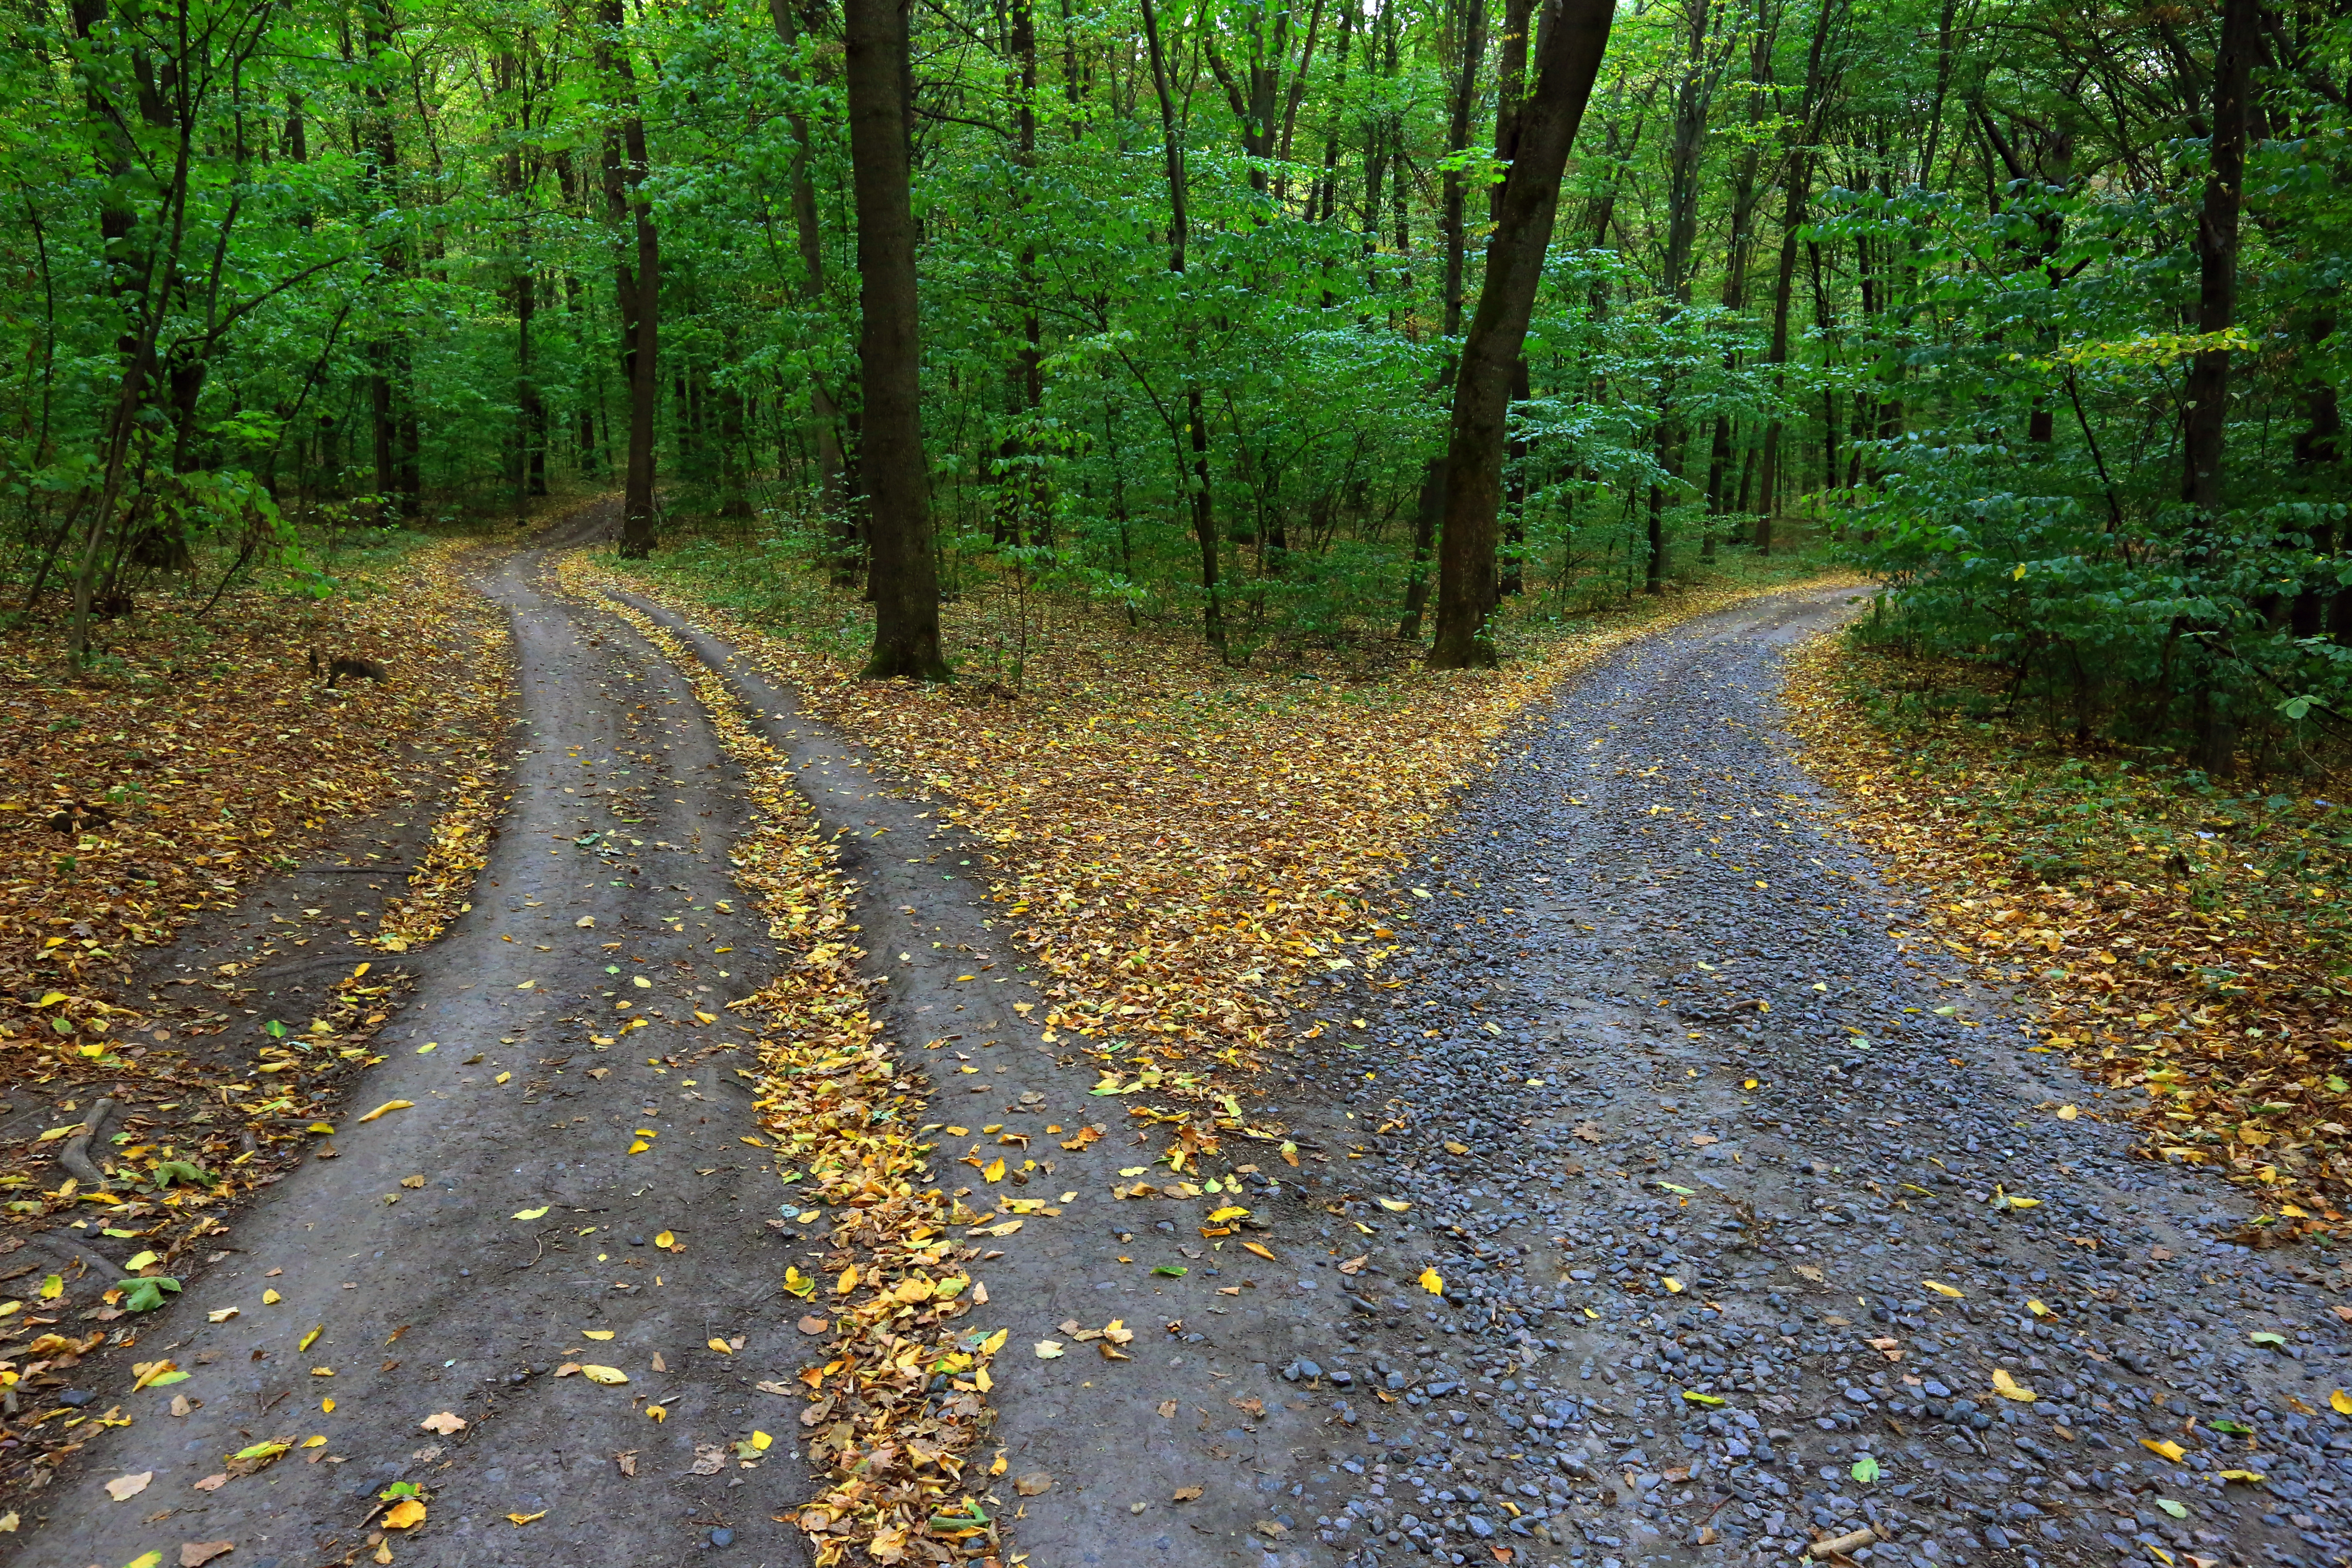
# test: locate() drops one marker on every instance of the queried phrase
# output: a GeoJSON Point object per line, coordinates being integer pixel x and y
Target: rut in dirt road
{"type": "Point", "coordinates": [1711, 1163]}
{"type": "Point", "coordinates": [455, 1252]}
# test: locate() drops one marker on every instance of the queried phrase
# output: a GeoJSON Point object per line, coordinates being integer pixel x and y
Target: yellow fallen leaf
{"type": "Point", "coordinates": [595, 1333]}
{"type": "Point", "coordinates": [721, 1346]}
{"type": "Point", "coordinates": [522, 1519]}
{"type": "Point", "coordinates": [221, 1315]}
{"type": "Point", "coordinates": [607, 1375]}
{"type": "Point", "coordinates": [1394, 1205]}
{"type": "Point", "coordinates": [2037, 1308]}
{"type": "Point", "coordinates": [318, 1442]}
{"type": "Point", "coordinates": [848, 1282]}
{"type": "Point", "coordinates": [1673, 1285]}
{"type": "Point", "coordinates": [326, 1407]}
{"type": "Point", "coordinates": [996, 1172]}
{"type": "Point", "coordinates": [2248, 1477]}
{"type": "Point", "coordinates": [531, 1214]}
{"type": "Point", "coordinates": [586, 923]}
{"type": "Point", "coordinates": [1454, 1148]}
{"type": "Point", "coordinates": [2067, 1113]}
{"type": "Point", "coordinates": [1261, 1252]}
{"type": "Point", "coordinates": [2008, 1387]}
{"type": "Point", "coordinates": [309, 1339]}
{"type": "Point", "coordinates": [656, 1413]}
{"type": "Point", "coordinates": [639, 1147]}
{"type": "Point", "coordinates": [1049, 1349]}
{"type": "Point", "coordinates": [2166, 1446]}
{"type": "Point", "coordinates": [271, 1297]}
{"type": "Point", "coordinates": [995, 1341]}
{"type": "Point", "coordinates": [1230, 1211]}
{"type": "Point", "coordinates": [1940, 1289]}
{"type": "Point", "coordinates": [665, 1240]}
{"type": "Point", "coordinates": [1432, 1281]}
{"type": "Point", "coordinates": [2340, 1402]}
{"type": "Point", "coordinates": [371, 1116]}
{"type": "Point", "coordinates": [405, 1514]}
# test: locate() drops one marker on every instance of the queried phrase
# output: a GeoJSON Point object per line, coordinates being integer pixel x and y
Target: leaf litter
{"type": "Point", "coordinates": [844, 1114]}
{"type": "Point", "coordinates": [148, 797]}
{"type": "Point", "coordinates": [2205, 994]}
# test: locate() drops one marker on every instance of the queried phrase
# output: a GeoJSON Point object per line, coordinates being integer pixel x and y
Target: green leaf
{"type": "Point", "coordinates": [1173, 1271]}
{"type": "Point", "coordinates": [2264, 1337]}
{"type": "Point", "coordinates": [146, 1294]}
{"type": "Point", "coordinates": [2177, 1511]}
{"type": "Point", "coordinates": [1866, 1467]}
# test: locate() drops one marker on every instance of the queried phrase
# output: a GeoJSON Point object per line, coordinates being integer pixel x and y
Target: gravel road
{"type": "Point", "coordinates": [1711, 1163]}
{"type": "Point", "coordinates": [1710, 1166]}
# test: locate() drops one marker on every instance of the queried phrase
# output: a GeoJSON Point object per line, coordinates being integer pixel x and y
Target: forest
{"type": "Point", "coordinates": [1286, 324]}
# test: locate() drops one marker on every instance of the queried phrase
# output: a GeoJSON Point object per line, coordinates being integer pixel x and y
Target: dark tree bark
{"type": "Point", "coordinates": [2205, 420]}
{"type": "Point", "coordinates": [904, 575]}
{"type": "Point", "coordinates": [637, 276]}
{"type": "Point", "coordinates": [1691, 100]}
{"type": "Point", "coordinates": [2207, 390]}
{"type": "Point", "coordinates": [1569, 44]}
{"type": "Point", "coordinates": [1468, 22]}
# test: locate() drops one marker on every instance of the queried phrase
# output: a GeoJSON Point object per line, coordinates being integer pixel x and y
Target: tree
{"type": "Point", "coordinates": [1570, 37]}
{"type": "Point", "coordinates": [904, 575]}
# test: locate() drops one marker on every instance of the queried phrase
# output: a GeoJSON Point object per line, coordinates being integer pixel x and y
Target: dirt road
{"type": "Point", "coordinates": [1681, 1132]}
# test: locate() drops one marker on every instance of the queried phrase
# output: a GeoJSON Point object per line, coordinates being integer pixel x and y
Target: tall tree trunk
{"type": "Point", "coordinates": [1025, 511]}
{"type": "Point", "coordinates": [825, 413]}
{"type": "Point", "coordinates": [1468, 24]}
{"type": "Point", "coordinates": [2205, 421]}
{"type": "Point", "coordinates": [1568, 47]}
{"type": "Point", "coordinates": [897, 475]}
{"type": "Point", "coordinates": [396, 477]}
{"type": "Point", "coordinates": [1196, 483]}
{"type": "Point", "coordinates": [1798, 182]}
{"type": "Point", "coordinates": [636, 275]}
{"type": "Point", "coordinates": [1691, 98]}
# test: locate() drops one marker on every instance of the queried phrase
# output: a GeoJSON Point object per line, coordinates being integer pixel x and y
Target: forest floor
{"type": "Point", "coordinates": [1533, 1243]}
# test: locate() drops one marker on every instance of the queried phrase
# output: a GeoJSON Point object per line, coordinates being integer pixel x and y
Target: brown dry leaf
{"type": "Point", "coordinates": [1167, 1407]}
{"type": "Point", "coordinates": [122, 1489]}
{"type": "Point", "coordinates": [815, 1323]}
{"type": "Point", "coordinates": [1811, 1273]}
{"type": "Point", "coordinates": [1355, 1264]}
{"type": "Point", "coordinates": [1588, 1130]}
{"type": "Point", "coordinates": [211, 1483]}
{"type": "Point", "coordinates": [197, 1553]}
{"type": "Point", "coordinates": [1186, 1494]}
{"type": "Point", "coordinates": [445, 1422]}
{"type": "Point", "coordinates": [707, 1458]}
{"type": "Point", "coordinates": [627, 1461]}
{"type": "Point", "coordinates": [1251, 1407]}
{"type": "Point", "coordinates": [412, 1180]}
{"type": "Point", "coordinates": [1034, 1484]}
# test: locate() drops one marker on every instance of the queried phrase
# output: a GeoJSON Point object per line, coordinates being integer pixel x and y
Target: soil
{"type": "Point", "coordinates": [1675, 1127]}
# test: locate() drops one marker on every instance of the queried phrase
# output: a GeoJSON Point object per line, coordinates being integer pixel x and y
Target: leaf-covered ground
{"type": "Point", "coordinates": [1185, 844]}
{"type": "Point", "coordinates": [845, 1116]}
{"type": "Point", "coordinates": [150, 795]}
{"type": "Point", "coordinates": [2185, 941]}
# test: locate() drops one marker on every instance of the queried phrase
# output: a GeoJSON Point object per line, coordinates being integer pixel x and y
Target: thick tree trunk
{"type": "Point", "coordinates": [905, 577]}
{"type": "Point", "coordinates": [1569, 43]}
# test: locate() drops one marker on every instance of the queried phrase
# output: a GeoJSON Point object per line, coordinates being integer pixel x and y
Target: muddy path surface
{"type": "Point", "coordinates": [1675, 1125]}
